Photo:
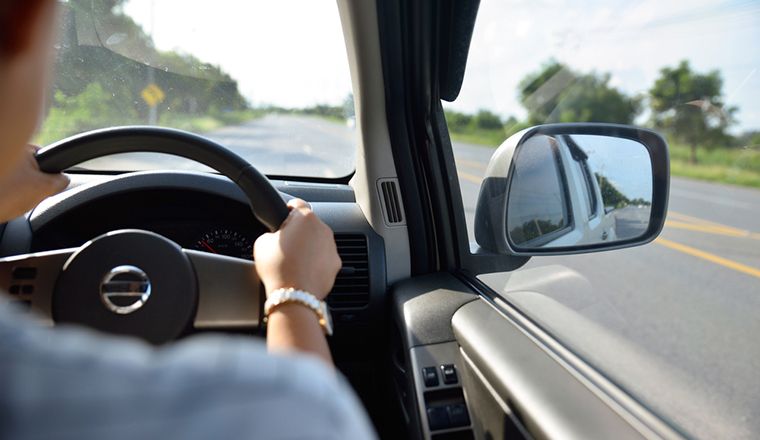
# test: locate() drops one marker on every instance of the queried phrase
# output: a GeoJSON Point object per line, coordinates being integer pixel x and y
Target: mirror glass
{"type": "Point", "coordinates": [578, 190]}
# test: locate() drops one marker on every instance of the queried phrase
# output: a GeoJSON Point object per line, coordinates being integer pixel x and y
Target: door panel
{"type": "Point", "coordinates": [512, 379]}
{"type": "Point", "coordinates": [531, 383]}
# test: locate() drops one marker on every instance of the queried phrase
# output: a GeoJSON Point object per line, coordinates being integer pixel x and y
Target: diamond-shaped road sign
{"type": "Point", "coordinates": [152, 95]}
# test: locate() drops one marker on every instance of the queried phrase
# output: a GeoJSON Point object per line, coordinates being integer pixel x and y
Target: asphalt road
{"type": "Point", "coordinates": [675, 322]}
{"type": "Point", "coordinates": [275, 144]}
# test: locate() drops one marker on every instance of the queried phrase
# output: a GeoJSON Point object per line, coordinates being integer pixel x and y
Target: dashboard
{"type": "Point", "coordinates": [209, 213]}
{"type": "Point", "coordinates": [194, 220]}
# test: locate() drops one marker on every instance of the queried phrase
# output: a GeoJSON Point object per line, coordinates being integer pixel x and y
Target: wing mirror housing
{"type": "Point", "coordinates": [561, 189]}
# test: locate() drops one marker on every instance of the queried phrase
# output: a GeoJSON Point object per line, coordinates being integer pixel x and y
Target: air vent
{"type": "Point", "coordinates": [352, 284]}
{"type": "Point", "coordinates": [394, 211]}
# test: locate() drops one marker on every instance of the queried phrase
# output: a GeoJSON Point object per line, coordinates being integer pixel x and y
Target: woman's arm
{"type": "Point", "coordinates": [302, 255]}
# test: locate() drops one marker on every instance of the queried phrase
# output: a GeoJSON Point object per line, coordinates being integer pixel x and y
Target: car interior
{"type": "Point", "coordinates": [432, 351]}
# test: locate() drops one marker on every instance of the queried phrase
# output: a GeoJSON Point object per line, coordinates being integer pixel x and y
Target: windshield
{"type": "Point", "coordinates": [269, 80]}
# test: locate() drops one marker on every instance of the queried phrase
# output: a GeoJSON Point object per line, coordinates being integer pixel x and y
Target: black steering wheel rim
{"type": "Point", "coordinates": [264, 199]}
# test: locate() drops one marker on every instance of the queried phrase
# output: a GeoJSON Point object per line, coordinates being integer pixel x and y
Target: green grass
{"type": "Point", "coordinates": [490, 138]}
{"type": "Point", "coordinates": [330, 118]}
{"type": "Point", "coordinates": [206, 123]}
{"type": "Point", "coordinates": [716, 173]}
{"type": "Point", "coordinates": [60, 125]}
{"type": "Point", "coordinates": [736, 166]}
{"type": "Point", "coordinates": [487, 137]}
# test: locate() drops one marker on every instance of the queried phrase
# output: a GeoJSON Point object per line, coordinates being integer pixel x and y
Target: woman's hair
{"type": "Point", "coordinates": [16, 16]}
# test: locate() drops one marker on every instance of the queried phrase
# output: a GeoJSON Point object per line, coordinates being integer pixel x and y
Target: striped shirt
{"type": "Point", "coordinates": [72, 383]}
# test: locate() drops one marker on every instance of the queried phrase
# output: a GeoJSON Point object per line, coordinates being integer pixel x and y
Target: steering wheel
{"type": "Point", "coordinates": [136, 282]}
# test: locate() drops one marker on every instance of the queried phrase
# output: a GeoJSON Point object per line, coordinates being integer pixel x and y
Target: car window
{"type": "Point", "coordinates": [674, 322]}
{"type": "Point", "coordinates": [539, 210]}
{"type": "Point", "coordinates": [580, 160]}
{"type": "Point", "coordinates": [269, 80]}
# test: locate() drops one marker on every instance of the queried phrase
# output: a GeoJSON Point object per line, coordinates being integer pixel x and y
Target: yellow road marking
{"type": "Point", "coordinates": [471, 163]}
{"type": "Point", "coordinates": [471, 177]}
{"type": "Point", "coordinates": [708, 226]}
{"type": "Point", "coordinates": [708, 229]}
{"type": "Point", "coordinates": [689, 218]}
{"type": "Point", "coordinates": [694, 252]}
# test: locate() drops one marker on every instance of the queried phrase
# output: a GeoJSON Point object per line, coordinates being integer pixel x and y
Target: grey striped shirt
{"type": "Point", "coordinates": [71, 383]}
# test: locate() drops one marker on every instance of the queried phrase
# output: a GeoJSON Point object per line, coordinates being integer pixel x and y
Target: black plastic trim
{"type": "Point", "coordinates": [401, 62]}
{"type": "Point", "coordinates": [309, 179]}
{"type": "Point", "coordinates": [423, 307]}
{"type": "Point", "coordinates": [457, 21]}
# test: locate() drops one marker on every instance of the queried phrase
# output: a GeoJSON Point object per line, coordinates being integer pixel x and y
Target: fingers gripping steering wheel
{"type": "Point", "coordinates": [137, 282]}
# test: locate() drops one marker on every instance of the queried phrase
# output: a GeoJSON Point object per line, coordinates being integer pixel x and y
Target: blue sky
{"type": "Point", "coordinates": [621, 161]}
{"type": "Point", "coordinates": [291, 52]}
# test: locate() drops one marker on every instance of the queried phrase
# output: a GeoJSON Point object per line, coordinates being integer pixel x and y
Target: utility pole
{"type": "Point", "coordinates": [152, 109]}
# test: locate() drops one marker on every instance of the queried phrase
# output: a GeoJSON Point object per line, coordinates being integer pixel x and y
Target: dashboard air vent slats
{"type": "Point", "coordinates": [352, 284]}
{"type": "Point", "coordinates": [394, 211]}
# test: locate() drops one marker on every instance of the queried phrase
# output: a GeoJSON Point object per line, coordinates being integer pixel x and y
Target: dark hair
{"type": "Point", "coordinates": [16, 16]}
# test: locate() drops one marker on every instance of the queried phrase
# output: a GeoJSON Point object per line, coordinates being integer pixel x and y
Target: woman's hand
{"type": "Point", "coordinates": [301, 255]}
{"type": "Point", "coordinates": [24, 186]}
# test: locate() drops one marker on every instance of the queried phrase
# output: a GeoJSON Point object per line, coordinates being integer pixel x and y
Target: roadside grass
{"type": "Point", "coordinates": [485, 137]}
{"type": "Point", "coordinates": [58, 126]}
{"type": "Point", "coordinates": [488, 138]}
{"type": "Point", "coordinates": [206, 123]}
{"type": "Point", "coordinates": [736, 166]}
{"type": "Point", "coordinates": [330, 118]}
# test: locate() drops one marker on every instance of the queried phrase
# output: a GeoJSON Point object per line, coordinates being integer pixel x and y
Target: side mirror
{"type": "Point", "coordinates": [572, 188]}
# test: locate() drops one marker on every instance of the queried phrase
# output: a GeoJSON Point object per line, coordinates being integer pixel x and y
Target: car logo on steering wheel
{"type": "Point", "coordinates": [125, 289]}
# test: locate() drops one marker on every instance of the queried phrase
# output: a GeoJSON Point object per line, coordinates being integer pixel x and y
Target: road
{"type": "Point", "coordinates": [276, 145]}
{"type": "Point", "coordinates": [675, 322]}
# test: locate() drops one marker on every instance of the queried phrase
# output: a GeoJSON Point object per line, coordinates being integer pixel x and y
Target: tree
{"type": "Point", "coordinates": [749, 139]}
{"type": "Point", "coordinates": [558, 94]}
{"type": "Point", "coordinates": [487, 120]}
{"type": "Point", "coordinates": [689, 106]}
{"type": "Point", "coordinates": [458, 122]}
{"type": "Point", "coordinates": [611, 196]}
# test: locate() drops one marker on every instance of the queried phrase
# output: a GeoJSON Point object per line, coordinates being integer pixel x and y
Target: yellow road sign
{"type": "Point", "coordinates": [152, 95]}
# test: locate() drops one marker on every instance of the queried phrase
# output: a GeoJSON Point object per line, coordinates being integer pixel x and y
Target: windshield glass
{"type": "Point", "coordinates": [674, 323]}
{"type": "Point", "coordinates": [269, 80]}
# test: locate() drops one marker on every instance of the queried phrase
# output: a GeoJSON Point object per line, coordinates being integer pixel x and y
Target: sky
{"type": "Point", "coordinates": [286, 52]}
{"type": "Point", "coordinates": [620, 161]}
{"type": "Point", "coordinates": [291, 52]}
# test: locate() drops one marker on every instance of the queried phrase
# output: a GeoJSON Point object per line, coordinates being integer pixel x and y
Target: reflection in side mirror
{"type": "Point", "coordinates": [568, 188]}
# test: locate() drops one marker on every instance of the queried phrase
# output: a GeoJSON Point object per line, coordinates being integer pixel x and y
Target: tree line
{"type": "Point", "coordinates": [686, 105]}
